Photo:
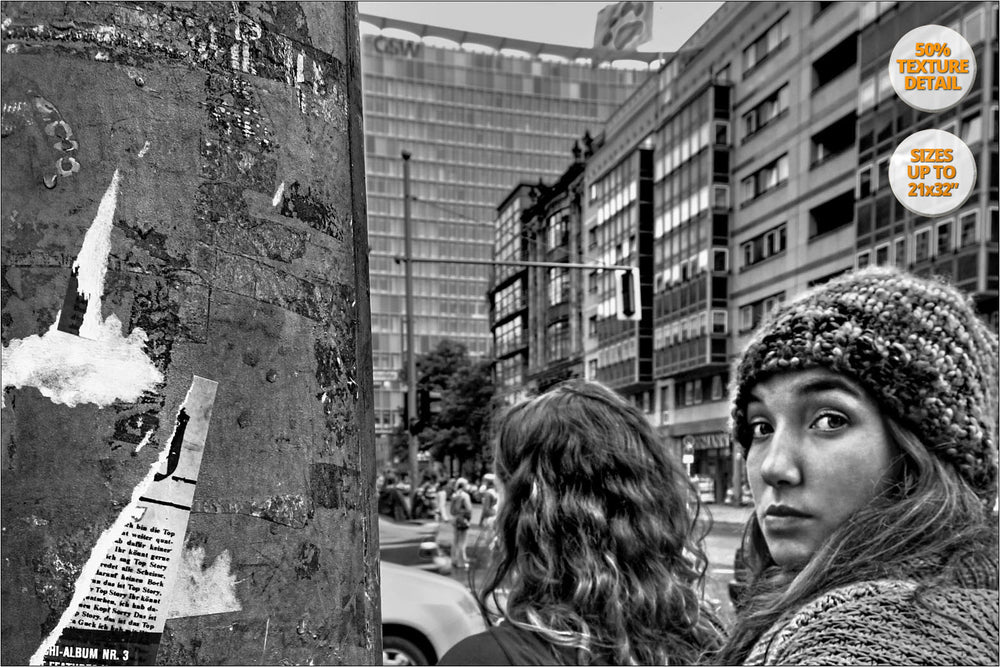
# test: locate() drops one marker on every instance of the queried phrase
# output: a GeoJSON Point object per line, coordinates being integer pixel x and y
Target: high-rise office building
{"type": "Point", "coordinates": [478, 117]}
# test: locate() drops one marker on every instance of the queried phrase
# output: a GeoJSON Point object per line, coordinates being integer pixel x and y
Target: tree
{"type": "Point", "coordinates": [468, 401]}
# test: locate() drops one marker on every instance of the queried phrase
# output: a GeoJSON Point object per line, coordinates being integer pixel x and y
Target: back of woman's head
{"type": "Point", "coordinates": [597, 530]}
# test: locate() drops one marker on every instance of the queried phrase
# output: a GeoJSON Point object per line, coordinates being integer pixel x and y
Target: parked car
{"type": "Point", "coordinates": [424, 615]}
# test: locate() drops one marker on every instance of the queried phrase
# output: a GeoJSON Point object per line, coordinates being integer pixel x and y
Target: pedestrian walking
{"type": "Point", "coordinates": [490, 500]}
{"type": "Point", "coordinates": [867, 411]}
{"type": "Point", "coordinates": [598, 553]}
{"type": "Point", "coordinates": [441, 501]}
{"type": "Point", "coordinates": [461, 517]}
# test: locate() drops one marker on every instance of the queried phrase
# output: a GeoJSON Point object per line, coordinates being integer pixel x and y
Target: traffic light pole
{"type": "Point", "coordinates": [411, 362]}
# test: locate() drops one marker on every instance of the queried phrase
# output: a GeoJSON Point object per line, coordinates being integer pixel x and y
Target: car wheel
{"type": "Point", "coordinates": [399, 651]}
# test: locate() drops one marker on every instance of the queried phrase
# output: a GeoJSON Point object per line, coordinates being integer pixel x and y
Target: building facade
{"type": "Point", "coordinates": [961, 246]}
{"type": "Point", "coordinates": [479, 114]}
{"type": "Point", "coordinates": [536, 312]}
{"type": "Point", "coordinates": [754, 165]}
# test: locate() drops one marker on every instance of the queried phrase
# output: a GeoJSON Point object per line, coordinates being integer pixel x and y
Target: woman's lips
{"type": "Point", "coordinates": [782, 511]}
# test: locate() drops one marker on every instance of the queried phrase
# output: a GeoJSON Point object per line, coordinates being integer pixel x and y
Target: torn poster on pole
{"type": "Point", "coordinates": [121, 600]}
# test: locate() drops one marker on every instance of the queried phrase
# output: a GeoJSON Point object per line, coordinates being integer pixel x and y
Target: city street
{"type": "Point", "coordinates": [720, 544]}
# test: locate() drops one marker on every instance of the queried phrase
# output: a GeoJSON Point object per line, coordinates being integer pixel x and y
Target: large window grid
{"type": "Point", "coordinates": [509, 300]}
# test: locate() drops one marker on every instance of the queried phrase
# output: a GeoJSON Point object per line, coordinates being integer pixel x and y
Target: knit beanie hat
{"type": "Point", "coordinates": [915, 345]}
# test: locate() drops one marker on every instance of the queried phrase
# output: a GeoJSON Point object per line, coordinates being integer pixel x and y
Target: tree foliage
{"type": "Point", "coordinates": [467, 403]}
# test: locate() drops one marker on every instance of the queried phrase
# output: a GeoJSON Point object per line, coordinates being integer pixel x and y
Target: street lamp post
{"type": "Point", "coordinates": [411, 363]}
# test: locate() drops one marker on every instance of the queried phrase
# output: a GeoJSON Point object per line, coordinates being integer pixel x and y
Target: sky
{"type": "Point", "coordinates": [566, 23]}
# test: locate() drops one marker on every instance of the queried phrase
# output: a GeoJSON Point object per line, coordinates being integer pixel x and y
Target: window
{"type": "Point", "coordinates": [943, 237]}
{"type": "Point", "coordinates": [921, 244]}
{"type": "Point", "coordinates": [770, 303]}
{"type": "Point", "coordinates": [899, 252]}
{"type": "Point", "coordinates": [865, 181]}
{"type": "Point", "coordinates": [968, 227]}
{"type": "Point", "coordinates": [751, 314]}
{"type": "Point", "coordinates": [559, 286]}
{"type": "Point", "coordinates": [721, 132]}
{"type": "Point", "coordinates": [720, 321]}
{"type": "Point", "coordinates": [765, 45]}
{"type": "Point", "coordinates": [834, 139]}
{"type": "Point", "coordinates": [716, 387]}
{"type": "Point", "coordinates": [766, 111]}
{"type": "Point", "coordinates": [864, 258]}
{"type": "Point", "coordinates": [835, 62]}
{"type": "Point", "coordinates": [720, 259]}
{"type": "Point", "coordinates": [762, 246]}
{"type": "Point", "coordinates": [831, 214]}
{"type": "Point", "coordinates": [994, 224]}
{"type": "Point", "coordinates": [882, 254]}
{"type": "Point", "coordinates": [765, 179]}
{"type": "Point", "coordinates": [972, 129]}
{"type": "Point", "coordinates": [883, 173]}
{"type": "Point", "coordinates": [866, 94]}
{"type": "Point", "coordinates": [973, 26]}
{"type": "Point", "coordinates": [720, 196]}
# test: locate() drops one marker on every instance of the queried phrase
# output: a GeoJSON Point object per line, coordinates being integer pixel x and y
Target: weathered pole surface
{"type": "Point", "coordinates": [183, 217]}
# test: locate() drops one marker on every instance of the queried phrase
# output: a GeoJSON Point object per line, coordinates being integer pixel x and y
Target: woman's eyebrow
{"type": "Point", "coordinates": [817, 386]}
{"type": "Point", "coordinates": [820, 385]}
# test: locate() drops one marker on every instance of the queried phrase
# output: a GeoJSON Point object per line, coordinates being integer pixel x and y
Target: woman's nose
{"type": "Point", "coordinates": [780, 466]}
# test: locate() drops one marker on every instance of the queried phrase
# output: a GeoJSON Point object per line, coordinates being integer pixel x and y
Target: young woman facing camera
{"type": "Point", "coordinates": [597, 544]}
{"type": "Point", "coordinates": [867, 411]}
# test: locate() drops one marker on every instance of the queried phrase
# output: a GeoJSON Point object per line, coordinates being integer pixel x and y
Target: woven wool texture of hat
{"type": "Point", "coordinates": [917, 347]}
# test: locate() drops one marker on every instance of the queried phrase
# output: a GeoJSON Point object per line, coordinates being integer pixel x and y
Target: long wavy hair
{"type": "Point", "coordinates": [930, 526]}
{"type": "Point", "coordinates": [599, 545]}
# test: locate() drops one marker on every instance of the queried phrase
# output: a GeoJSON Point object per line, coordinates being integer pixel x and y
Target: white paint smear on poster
{"type": "Point", "coordinates": [99, 365]}
{"type": "Point", "coordinates": [124, 589]}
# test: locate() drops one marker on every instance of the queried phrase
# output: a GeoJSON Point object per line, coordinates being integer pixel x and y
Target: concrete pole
{"type": "Point", "coordinates": [411, 360]}
{"type": "Point", "coordinates": [186, 336]}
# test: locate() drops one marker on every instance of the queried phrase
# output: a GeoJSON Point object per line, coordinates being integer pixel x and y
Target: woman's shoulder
{"type": "Point", "coordinates": [887, 622]}
{"type": "Point", "coordinates": [503, 644]}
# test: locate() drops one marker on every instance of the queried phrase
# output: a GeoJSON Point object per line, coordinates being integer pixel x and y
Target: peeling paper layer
{"type": "Point", "coordinates": [200, 590]}
{"type": "Point", "coordinates": [121, 598]}
{"type": "Point", "coordinates": [100, 365]}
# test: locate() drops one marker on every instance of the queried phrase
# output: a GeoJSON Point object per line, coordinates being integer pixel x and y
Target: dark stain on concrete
{"type": "Point", "coordinates": [307, 563]}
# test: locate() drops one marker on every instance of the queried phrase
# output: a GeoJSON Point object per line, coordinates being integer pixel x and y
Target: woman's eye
{"type": "Point", "coordinates": [760, 429]}
{"type": "Point", "coordinates": [831, 421]}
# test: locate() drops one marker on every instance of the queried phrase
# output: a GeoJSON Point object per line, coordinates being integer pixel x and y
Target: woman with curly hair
{"type": "Point", "coordinates": [867, 410]}
{"type": "Point", "coordinates": [598, 551]}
